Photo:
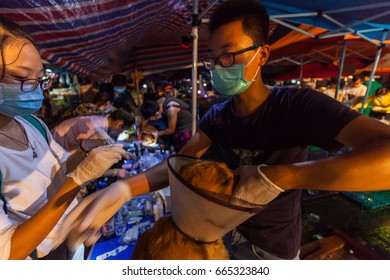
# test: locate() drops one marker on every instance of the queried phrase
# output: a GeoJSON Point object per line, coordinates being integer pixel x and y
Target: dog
{"type": "Point", "coordinates": [165, 242]}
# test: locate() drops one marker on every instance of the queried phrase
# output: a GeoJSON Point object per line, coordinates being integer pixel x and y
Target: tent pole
{"type": "Point", "coordinates": [341, 66]}
{"type": "Point", "coordinates": [376, 61]}
{"type": "Point", "coordinates": [301, 71]}
{"type": "Point", "coordinates": [195, 24]}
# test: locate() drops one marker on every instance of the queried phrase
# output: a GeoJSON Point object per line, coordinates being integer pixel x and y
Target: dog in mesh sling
{"type": "Point", "coordinates": [165, 241]}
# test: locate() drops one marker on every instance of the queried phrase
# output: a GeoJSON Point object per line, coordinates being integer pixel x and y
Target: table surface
{"type": "Point", "coordinates": [107, 245]}
{"type": "Point", "coordinates": [104, 245]}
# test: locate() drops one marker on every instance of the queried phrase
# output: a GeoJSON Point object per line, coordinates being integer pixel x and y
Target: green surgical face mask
{"type": "Point", "coordinates": [230, 81]}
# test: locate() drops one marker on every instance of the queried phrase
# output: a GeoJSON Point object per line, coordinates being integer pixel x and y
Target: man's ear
{"type": "Point", "coordinates": [118, 123]}
{"type": "Point", "coordinates": [264, 54]}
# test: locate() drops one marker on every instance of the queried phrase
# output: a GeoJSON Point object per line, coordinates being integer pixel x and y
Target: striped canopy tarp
{"type": "Point", "coordinates": [98, 38]}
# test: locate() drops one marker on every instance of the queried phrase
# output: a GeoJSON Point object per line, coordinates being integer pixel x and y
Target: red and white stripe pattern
{"type": "Point", "coordinates": [98, 38]}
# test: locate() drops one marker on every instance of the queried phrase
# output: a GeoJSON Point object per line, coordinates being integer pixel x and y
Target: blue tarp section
{"type": "Point", "coordinates": [361, 15]}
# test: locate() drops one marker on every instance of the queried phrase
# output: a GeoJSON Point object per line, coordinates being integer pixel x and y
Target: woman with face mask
{"type": "Point", "coordinates": [38, 179]}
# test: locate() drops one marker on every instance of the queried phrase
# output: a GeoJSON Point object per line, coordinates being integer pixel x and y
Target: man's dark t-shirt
{"type": "Point", "coordinates": [278, 131]}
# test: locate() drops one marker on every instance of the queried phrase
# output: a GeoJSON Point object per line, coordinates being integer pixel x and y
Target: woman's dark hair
{"type": "Point", "coordinates": [381, 91]}
{"type": "Point", "coordinates": [11, 31]}
{"type": "Point", "coordinates": [254, 17]}
{"type": "Point", "coordinates": [149, 108]}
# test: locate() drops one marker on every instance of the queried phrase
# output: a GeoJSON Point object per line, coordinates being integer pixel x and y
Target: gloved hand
{"type": "Point", "coordinates": [99, 138]}
{"type": "Point", "coordinates": [253, 186]}
{"type": "Point", "coordinates": [97, 162]}
{"type": "Point", "coordinates": [83, 223]}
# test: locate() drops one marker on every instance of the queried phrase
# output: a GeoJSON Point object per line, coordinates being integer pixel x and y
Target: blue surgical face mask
{"type": "Point", "coordinates": [231, 81]}
{"type": "Point", "coordinates": [119, 90]}
{"type": "Point", "coordinates": [14, 102]}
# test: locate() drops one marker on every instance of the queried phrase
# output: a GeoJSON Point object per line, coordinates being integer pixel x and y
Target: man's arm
{"type": "Point", "coordinates": [172, 114]}
{"type": "Point", "coordinates": [156, 177]}
{"type": "Point", "coordinates": [365, 168]}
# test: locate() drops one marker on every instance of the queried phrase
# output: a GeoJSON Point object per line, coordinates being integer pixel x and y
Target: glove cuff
{"type": "Point", "coordinates": [262, 175]}
{"type": "Point", "coordinates": [77, 177]}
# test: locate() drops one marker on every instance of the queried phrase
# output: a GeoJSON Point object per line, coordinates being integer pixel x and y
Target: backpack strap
{"type": "Point", "coordinates": [37, 124]}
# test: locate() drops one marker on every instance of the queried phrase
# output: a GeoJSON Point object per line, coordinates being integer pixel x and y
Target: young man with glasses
{"type": "Point", "coordinates": [263, 133]}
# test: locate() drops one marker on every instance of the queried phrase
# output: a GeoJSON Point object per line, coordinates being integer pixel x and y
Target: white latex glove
{"type": "Point", "coordinates": [97, 162]}
{"type": "Point", "coordinates": [253, 186]}
{"type": "Point", "coordinates": [83, 223]}
{"type": "Point", "coordinates": [99, 138]}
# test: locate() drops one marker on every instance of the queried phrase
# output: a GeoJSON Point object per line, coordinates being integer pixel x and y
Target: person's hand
{"type": "Point", "coordinates": [97, 162]}
{"type": "Point", "coordinates": [253, 186]}
{"type": "Point", "coordinates": [99, 138]}
{"type": "Point", "coordinates": [121, 173]}
{"type": "Point", "coordinates": [149, 138]}
{"type": "Point", "coordinates": [83, 223]}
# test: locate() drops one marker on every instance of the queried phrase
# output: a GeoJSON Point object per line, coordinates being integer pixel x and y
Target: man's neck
{"type": "Point", "coordinates": [251, 99]}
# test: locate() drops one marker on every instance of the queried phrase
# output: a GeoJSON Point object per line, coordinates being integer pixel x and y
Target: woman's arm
{"type": "Point", "coordinates": [30, 234]}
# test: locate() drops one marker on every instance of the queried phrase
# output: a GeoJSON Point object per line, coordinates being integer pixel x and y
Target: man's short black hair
{"type": "Point", "coordinates": [121, 114]}
{"type": "Point", "coordinates": [366, 74]}
{"type": "Point", "coordinates": [254, 17]}
{"type": "Point", "coordinates": [119, 80]}
{"type": "Point", "coordinates": [357, 77]}
{"type": "Point", "coordinates": [149, 108]}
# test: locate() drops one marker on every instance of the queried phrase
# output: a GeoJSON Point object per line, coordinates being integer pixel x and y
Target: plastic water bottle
{"type": "Point", "coordinates": [148, 209]}
{"type": "Point", "coordinates": [125, 213]}
{"type": "Point", "coordinates": [108, 229]}
{"type": "Point", "coordinates": [120, 225]}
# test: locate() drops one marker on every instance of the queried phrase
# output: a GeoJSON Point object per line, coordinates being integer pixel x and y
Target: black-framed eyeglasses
{"type": "Point", "coordinates": [226, 59]}
{"type": "Point", "coordinates": [27, 85]}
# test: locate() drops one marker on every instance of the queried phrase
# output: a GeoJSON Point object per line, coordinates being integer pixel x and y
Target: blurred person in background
{"type": "Point", "coordinates": [46, 111]}
{"type": "Point", "coordinates": [122, 97]}
{"type": "Point", "coordinates": [70, 133]}
{"type": "Point", "coordinates": [178, 116]}
{"type": "Point", "coordinates": [375, 85]}
{"type": "Point", "coordinates": [356, 93]}
{"type": "Point", "coordinates": [381, 102]}
{"type": "Point", "coordinates": [101, 105]}
{"type": "Point", "coordinates": [331, 88]}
